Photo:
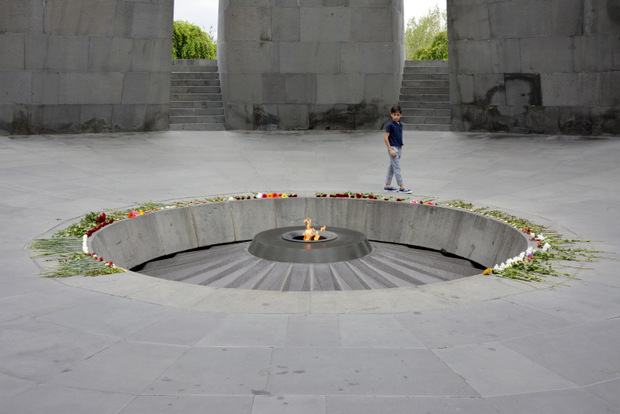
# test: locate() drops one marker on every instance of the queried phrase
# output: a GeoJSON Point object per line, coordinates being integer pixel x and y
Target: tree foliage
{"type": "Point", "coordinates": [438, 50]}
{"type": "Point", "coordinates": [191, 42]}
{"type": "Point", "coordinates": [421, 34]}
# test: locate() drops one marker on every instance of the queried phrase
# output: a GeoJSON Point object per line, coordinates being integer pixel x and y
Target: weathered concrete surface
{"type": "Point", "coordinates": [72, 66]}
{"type": "Point", "coordinates": [549, 66]}
{"type": "Point", "coordinates": [310, 65]}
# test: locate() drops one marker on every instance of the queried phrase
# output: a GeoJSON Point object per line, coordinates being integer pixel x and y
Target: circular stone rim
{"type": "Point", "coordinates": [349, 245]}
{"type": "Point", "coordinates": [327, 236]}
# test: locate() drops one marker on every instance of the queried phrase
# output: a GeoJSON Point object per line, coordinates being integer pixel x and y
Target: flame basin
{"type": "Point", "coordinates": [336, 245]}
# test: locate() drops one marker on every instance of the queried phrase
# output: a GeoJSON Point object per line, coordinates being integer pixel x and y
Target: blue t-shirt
{"type": "Point", "coordinates": [396, 133]}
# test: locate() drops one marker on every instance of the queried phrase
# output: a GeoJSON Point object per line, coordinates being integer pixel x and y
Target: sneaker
{"type": "Point", "coordinates": [405, 191]}
{"type": "Point", "coordinates": [389, 188]}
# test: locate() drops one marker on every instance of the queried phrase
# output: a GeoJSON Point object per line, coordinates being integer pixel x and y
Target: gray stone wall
{"type": "Point", "coordinates": [73, 66]}
{"type": "Point", "coordinates": [310, 64]}
{"type": "Point", "coordinates": [535, 66]}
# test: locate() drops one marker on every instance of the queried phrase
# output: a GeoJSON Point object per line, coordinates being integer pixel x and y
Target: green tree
{"type": "Point", "coordinates": [191, 42]}
{"type": "Point", "coordinates": [438, 50]}
{"type": "Point", "coordinates": [421, 34]}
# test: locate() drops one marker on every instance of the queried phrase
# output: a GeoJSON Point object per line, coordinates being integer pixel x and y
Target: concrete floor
{"type": "Point", "coordinates": [119, 344]}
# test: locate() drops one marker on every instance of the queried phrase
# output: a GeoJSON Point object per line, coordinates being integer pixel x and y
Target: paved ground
{"type": "Point", "coordinates": [66, 347]}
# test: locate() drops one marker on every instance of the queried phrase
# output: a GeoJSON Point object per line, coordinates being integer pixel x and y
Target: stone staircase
{"type": "Point", "coordinates": [425, 96]}
{"type": "Point", "coordinates": [196, 97]}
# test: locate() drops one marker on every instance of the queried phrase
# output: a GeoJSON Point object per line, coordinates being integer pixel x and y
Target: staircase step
{"type": "Point", "coordinates": [425, 97]}
{"type": "Point", "coordinates": [195, 90]}
{"type": "Point", "coordinates": [202, 111]}
{"type": "Point", "coordinates": [193, 68]}
{"type": "Point", "coordinates": [424, 120]}
{"type": "Point", "coordinates": [425, 111]}
{"type": "Point", "coordinates": [195, 82]}
{"type": "Point", "coordinates": [426, 67]}
{"type": "Point", "coordinates": [198, 127]}
{"type": "Point", "coordinates": [425, 76]}
{"type": "Point", "coordinates": [426, 83]}
{"type": "Point", "coordinates": [426, 63]}
{"type": "Point", "coordinates": [424, 105]}
{"type": "Point", "coordinates": [195, 97]}
{"type": "Point", "coordinates": [428, 127]}
{"type": "Point", "coordinates": [197, 119]}
{"type": "Point", "coordinates": [195, 75]}
{"type": "Point", "coordinates": [429, 90]}
{"type": "Point", "coordinates": [196, 104]}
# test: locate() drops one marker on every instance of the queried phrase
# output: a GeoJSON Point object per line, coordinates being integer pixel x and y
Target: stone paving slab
{"type": "Point", "coordinates": [161, 404]}
{"type": "Point", "coordinates": [43, 399]}
{"type": "Point", "coordinates": [572, 401]}
{"type": "Point", "coordinates": [586, 346]}
{"type": "Point", "coordinates": [125, 367]}
{"type": "Point", "coordinates": [492, 369]}
{"type": "Point", "coordinates": [363, 371]}
{"type": "Point", "coordinates": [488, 321]}
{"type": "Point", "coordinates": [216, 371]}
{"type": "Point", "coordinates": [128, 343]}
{"type": "Point", "coordinates": [408, 405]}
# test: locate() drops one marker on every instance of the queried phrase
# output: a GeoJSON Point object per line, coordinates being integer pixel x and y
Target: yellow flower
{"type": "Point", "coordinates": [284, 196]}
{"type": "Point", "coordinates": [487, 271]}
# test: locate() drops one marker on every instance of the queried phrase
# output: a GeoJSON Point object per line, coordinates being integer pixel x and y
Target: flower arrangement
{"type": "Point", "coordinates": [369, 196]}
{"type": "Point", "coordinates": [273, 195]}
{"type": "Point", "coordinates": [535, 262]}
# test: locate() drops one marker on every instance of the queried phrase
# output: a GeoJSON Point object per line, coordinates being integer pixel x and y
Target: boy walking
{"type": "Point", "coordinates": [394, 140]}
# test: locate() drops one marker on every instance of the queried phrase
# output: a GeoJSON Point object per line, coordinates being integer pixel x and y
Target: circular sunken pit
{"type": "Point", "coordinates": [251, 244]}
{"type": "Point", "coordinates": [288, 245]}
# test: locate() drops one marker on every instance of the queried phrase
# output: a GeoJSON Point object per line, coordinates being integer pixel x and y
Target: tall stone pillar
{"type": "Point", "coordinates": [535, 66]}
{"type": "Point", "coordinates": [70, 66]}
{"type": "Point", "coordinates": [310, 64]}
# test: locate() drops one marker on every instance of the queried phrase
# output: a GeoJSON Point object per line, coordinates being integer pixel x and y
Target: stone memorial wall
{"type": "Point", "coordinates": [535, 66]}
{"type": "Point", "coordinates": [78, 66]}
{"type": "Point", "coordinates": [311, 64]}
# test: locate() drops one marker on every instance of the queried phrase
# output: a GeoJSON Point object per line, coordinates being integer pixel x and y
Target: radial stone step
{"type": "Point", "coordinates": [232, 266]}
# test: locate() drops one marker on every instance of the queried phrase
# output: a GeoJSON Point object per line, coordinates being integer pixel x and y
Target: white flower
{"type": "Point", "coordinates": [546, 247]}
{"type": "Point", "coordinates": [260, 195]}
{"type": "Point", "coordinates": [231, 198]}
{"type": "Point", "coordinates": [85, 244]}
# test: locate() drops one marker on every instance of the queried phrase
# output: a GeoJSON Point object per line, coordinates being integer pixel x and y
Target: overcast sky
{"type": "Point", "coordinates": [204, 12]}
